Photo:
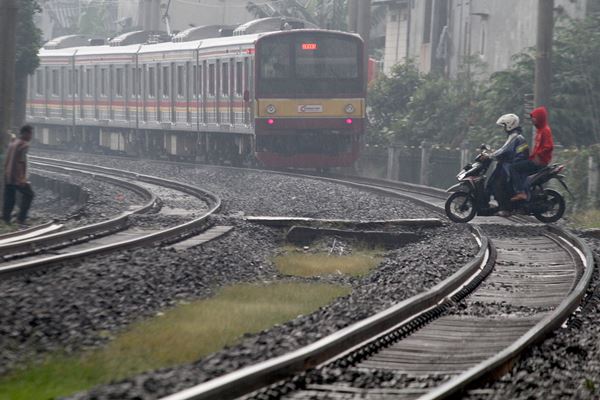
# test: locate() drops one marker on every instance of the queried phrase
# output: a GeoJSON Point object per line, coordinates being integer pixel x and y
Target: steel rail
{"type": "Point", "coordinates": [239, 382]}
{"type": "Point", "coordinates": [244, 381]}
{"type": "Point", "coordinates": [82, 233]}
{"type": "Point", "coordinates": [259, 375]}
{"type": "Point", "coordinates": [535, 335]}
{"type": "Point", "coordinates": [163, 236]}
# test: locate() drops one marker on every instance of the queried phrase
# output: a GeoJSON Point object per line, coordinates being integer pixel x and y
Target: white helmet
{"type": "Point", "coordinates": [508, 121]}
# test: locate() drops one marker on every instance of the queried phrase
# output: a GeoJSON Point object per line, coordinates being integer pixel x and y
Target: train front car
{"type": "Point", "coordinates": [310, 92]}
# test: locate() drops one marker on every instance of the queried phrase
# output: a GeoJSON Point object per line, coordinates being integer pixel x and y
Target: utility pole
{"type": "Point", "coordinates": [364, 29]}
{"type": "Point", "coordinates": [352, 15]}
{"type": "Point", "coordinates": [8, 26]}
{"type": "Point", "coordinates": [543, 57]}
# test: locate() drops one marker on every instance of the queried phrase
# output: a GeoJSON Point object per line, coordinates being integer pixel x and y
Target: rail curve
{"type": "Point", "coordinates": [547, 274]}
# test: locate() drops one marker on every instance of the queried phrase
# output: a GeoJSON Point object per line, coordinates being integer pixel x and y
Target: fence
{"type": "Point", "coordinates": [436, 166]}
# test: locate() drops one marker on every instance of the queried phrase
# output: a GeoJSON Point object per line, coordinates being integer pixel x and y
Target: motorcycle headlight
{"type": "Point", "coordinates": [461, 175]}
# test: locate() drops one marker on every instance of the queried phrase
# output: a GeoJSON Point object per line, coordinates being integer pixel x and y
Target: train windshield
{"type": "Point", "coordinates": [309, 65]}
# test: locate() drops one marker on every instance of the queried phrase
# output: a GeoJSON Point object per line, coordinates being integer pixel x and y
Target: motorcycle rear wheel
{"type": "Point", "coordinates": [460, 207]}
{"type": "Point", "coordinates": [557, 207]}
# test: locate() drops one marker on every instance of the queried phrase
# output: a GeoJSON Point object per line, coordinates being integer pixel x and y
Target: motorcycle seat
{"type": "Point", "coordinates": [541, 172]}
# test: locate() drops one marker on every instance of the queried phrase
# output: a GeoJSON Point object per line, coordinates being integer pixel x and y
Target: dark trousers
{"type": "Point", "coordinates": [10, 192]}
{"type": "Point", "coordinates": [519, 172]}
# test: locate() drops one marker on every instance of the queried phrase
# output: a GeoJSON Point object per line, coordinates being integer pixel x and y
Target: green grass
{"type": "Point", "coordinates": [4, 228]}
{"type": "Point", "coordinates": [586, 219]}
{"type": "Point", "coordinates": [181, 335]}
{"type": "Point", "coordinates": [294, 262]}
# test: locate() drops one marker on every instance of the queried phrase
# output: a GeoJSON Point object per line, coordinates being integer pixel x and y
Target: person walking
{"type": "Point", "coordinates": [539, 158]}
{"type": "Point", "coordinates": [15, 176]}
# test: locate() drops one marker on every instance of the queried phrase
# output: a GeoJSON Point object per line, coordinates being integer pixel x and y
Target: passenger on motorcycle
{"type": "Point", "coordinates": [541, 156]}
{"type": "Point", "coordinates": [515, 149]}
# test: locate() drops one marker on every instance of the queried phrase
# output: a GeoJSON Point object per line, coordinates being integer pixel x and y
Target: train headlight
{"type": "Point", "coordinates": [349, 109]}
{"type": "Point", "coordinates": [271, 109]}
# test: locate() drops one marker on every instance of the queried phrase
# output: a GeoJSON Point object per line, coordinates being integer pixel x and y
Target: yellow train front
{"type": "Point", "coordinates": [310, 89]}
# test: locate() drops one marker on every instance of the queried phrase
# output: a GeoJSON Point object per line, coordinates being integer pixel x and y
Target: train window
{"type": "Point", "coordinates": [200, 80]}
{"type": "Point", "coordinates": [119, 82]}
{"type": "Point", "coordinates": [39, 82]}
{"type": "Point", "coordinates": [276, 60]}
{"type": "Point", "coordinates": [55, 82]}
{"type": "Point", "coordinates": [89, 82]}
{"type": "Point", "coordinates": [76, 82]}
{"type": "Point", "coordinates": [180, 81]}
{"type": "Point", "coordinates": [333, 58]}
{"type": "Point", "coordinates": [211, 79]}
{"type": "Point", "coordinates": [151, 82]}
{"type": "Point", "coordinates": [47, 81]}
{"type": "Point", "coordinates": [225, 79]}
{"type": "Point", "coordinates": [103, 81]}
{"type": "Point", "coordinates": [239, 78]}
{"type": "Point", "coordinates": [136, 82]}
{"type": "Point", "coordinates": [165, 82]}
{"type": "Point", "coordinates": [70, 82]}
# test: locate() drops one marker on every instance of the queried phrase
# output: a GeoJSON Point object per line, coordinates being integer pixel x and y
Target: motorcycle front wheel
{"type": "Point", "coordinates": [460, 207]}
{"type": "Point", "coordinates": [553, 206]}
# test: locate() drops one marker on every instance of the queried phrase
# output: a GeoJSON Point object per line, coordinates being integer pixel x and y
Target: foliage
{"type": "Point", "coordinates": [576, 83]}
{"type": "Point", "coordinates": [191, 331]}
{"type": "Point", "coordinates": [410, 109]}
{"type": "Point", "coordinates": [389, 97]}
{"type": "Point", "coordinates": [328, 14]}
{"type": "Point", "coordinates": [28, 39]}
{"type": "Point", "coordinates": [93, 20]}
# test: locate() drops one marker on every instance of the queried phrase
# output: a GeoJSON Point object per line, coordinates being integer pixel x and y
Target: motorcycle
{"type": "Point", "coordinates": [471, 196]}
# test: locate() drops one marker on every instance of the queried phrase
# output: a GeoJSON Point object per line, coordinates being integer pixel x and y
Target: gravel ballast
{"type": "Point", "coordinates": [565, 366]}
{"type": "Point", "coordinates": [105, 200]}
{"type": "Point", "coordinates": [74, 307]}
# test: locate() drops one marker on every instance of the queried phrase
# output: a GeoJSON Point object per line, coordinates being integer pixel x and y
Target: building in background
{"type": "Point", "coordinates": [63, 17]}
{"type": "Point", "coordinates": [441, 34]}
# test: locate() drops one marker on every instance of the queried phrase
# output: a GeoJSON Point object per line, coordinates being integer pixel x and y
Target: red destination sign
{"type": "Point", "coordinates": [309, 46]}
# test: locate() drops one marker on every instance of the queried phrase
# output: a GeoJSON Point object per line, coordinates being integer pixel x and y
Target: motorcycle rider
{"type": "Point", "coordinates": [515, 149]}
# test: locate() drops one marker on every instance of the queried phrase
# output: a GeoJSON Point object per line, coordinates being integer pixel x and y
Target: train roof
{"type": "Point", "coordinates": [152, 48]}
{"type": "Point", "coordinates": [147, 48]}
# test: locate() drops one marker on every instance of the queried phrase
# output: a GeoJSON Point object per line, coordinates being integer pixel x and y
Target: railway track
{"type": "Point", "coordinates": [115, 234]}
{"type": "Point", "coordinates": [525, 282]}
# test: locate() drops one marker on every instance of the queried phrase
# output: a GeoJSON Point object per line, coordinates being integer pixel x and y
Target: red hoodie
{"type": "Point", "coordinates": [543, 143]}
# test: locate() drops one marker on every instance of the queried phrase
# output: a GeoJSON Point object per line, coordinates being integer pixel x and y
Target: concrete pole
{"type": "Point", "coordinates": [364, 30]}
{"type": "Point", "coordinates": [592, 184]}
{"type": "Point", "coordinates": [352, 15]}
{"type": "Point", "coordinates": [8, 26]}
{"type": "Point", "coordinates": [425, 163]}
{"type": "Point", "coordinates": [543, 59]}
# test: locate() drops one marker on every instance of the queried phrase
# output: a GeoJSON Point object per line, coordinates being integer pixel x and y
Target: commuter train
{"type": "Point", "coordinates": [289, 98]}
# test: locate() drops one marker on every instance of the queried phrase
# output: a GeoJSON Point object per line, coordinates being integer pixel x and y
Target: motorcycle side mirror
{"type": "Point", "coordinates": [484, 147]}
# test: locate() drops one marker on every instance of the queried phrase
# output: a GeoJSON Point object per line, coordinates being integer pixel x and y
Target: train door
{"type": "Point", "coordinates": [175, 94]}
{"type": "Point", "coordinates": [224, 95]}
{"type": "Point", "coordinates": [232, 93]}
{"type": "Point", "coordinates": [238, 105]}
{"type": "Point", "coordinates": [125, 92]}
{"type": "Point", "coordinates": [203, 90]}
{"type": "Point", "coordinates": [211, 95]}
{"type": "Point", "coordinates": [62, 92]}
{"type": "Point", "coordinates": [111, 92]}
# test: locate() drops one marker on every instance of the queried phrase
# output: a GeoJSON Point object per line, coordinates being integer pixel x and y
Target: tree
{"type": "Point", "coordinates": [388, 100]}
{"type": "Point", "coordinates": [29, 41]}
{"type": "Point", "coordinates": [329, 14]}
{"type": "Point", "coordinates": [466, 108]}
